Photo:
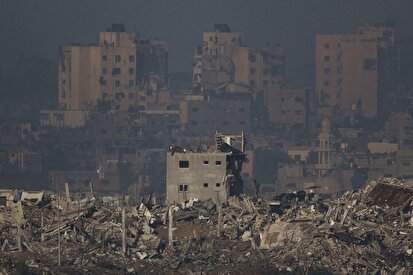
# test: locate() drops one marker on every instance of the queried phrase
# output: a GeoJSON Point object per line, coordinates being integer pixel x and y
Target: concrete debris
{"type": "Point", "coordinates": [367, 231]}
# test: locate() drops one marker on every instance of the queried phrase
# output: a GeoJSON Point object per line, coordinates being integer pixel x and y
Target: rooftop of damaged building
{"type": "Point", "coordinates": [234, 144]}
{"type": "Point", "coordinates": [365, 231]}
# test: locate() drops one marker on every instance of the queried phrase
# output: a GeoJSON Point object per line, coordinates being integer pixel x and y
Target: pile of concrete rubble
{"type": "Point", "coordinates": [365, 231]}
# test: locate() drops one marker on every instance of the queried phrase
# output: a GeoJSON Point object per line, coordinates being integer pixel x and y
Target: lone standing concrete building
{"type": "Point", "coordinates": [213, 174]}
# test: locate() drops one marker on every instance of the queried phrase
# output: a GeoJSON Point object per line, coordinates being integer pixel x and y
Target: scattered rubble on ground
{"type": "Point", "coordinates": [366, 231]}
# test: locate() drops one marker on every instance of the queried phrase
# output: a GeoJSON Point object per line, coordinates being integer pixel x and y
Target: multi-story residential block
{"type": "Point", "coordinates": [112, 70]}
{"type": "Point", "coordinates": [230, 113]}
{"type": "Point", "coordinates": [208, 174]}
{"type": "Point", "coordinates": [353, 72]}
{"type": "Point", "coordinates": [288, 107]}
{"type": "Point", "coordinates": [225, 58]}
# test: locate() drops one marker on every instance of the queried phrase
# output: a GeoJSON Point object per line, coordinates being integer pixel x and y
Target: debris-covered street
{"type": "Point", "coordinates": [366, 231]}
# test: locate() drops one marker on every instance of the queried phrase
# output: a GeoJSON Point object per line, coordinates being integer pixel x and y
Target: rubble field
{"type": "Point", "coordinates": [367, 231]}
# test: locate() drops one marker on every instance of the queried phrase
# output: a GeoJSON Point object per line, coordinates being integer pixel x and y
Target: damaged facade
{"type": "Point", "coordinates": [113, 71]}
{"type": "Point", "coordinates": [211, 174]}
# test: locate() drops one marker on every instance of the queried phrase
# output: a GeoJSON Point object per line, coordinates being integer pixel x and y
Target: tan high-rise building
{"type": "Point", "coordinates": [225, 58]}
{"type": "Point", "coordinates": [111, 70]}
{"type": "Point", "coordinates": [349, 71]}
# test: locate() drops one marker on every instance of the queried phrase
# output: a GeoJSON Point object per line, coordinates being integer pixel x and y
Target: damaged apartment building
{"type": "Point", "coordinates": [213, 173]}
{"type": "Point", "coordinates": [354, 73]}
{"type": "Point", "coordinates": [224, 58]}
{"type": "Point", "coordinates": [118, 69]}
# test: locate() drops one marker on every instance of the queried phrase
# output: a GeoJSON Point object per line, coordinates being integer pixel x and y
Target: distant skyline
{"type": "Point", "coordinates": [39, 27]}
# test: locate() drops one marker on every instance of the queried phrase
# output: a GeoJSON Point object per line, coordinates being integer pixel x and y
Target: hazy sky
{"type": "Point", "coordinates": [39, 26]}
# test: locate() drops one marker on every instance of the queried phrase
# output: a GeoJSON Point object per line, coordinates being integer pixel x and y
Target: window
{"type": "Point", "coordinates": [183, 188]}
{"type": "Point", "coordinates": [327, 70]}
{"type": "Point", "coordinates": [326, 46]}
{"type": "Point", "coordinates": [298, 113]}
{"type": "Point", "coordinates": [205, 184]}
{"type": "Point", "coordinates": [241, 110]}
{"type": "Point", "coordinates": [206, 162]}
{"type": "Point", "coordinates": [369, 64]}
{"type": "Point", "coordinates": [252, 58]}
{"type": "Point", "coordinates": [326, 83]}
{"type": "Point", "coordinates": [131, 83]}
{"type": "Point", "coordinates": [326, 58]}
{"type": "Point", "coordinates": [252, 83]}
{"type": "Point", "coordinates": [266, 71]}
{"type": "Point", "coordinates": [116, 71]}
{"type": "Point", "coordinates": [194, 109]}
{"type": "Point", "coordinates": [252, 70]}
{"type": "Point", "coordinates": [44, 116]}
{"type": "Point", "coordinates": [117, 83]}
{"type": "Point", "coordinates": [218, 184]}
{"type": "Point", "coordinates": [117, 58]}
{"type": "Point", "coordinates": [265, 83]}
{"type": "Point", "coordinates": [105, 57]}
{"type": "Point", "coordinates": [298, 99]}
{"type": "Point", "coordinates": [131, 58]}
{"type": "Point", "coordinates": [218, 162]}
{"type": "Point", "coordinates": [131, 96]}
{"type": "Point", "coordinates": [104, 70]}
{"type": "Point", "coordinates": [183, 164]}
{"type": "Point", "coordinates": [131, 70]}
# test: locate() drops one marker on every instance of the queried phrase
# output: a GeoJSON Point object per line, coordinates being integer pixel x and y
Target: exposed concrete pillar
{"type": "Point", "coordinates": [124, 231]}
{"type": "Point", "coordinates": [171, 229]}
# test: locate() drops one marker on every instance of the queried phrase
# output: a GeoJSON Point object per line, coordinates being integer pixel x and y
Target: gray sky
{"type": "Point", "coordinates": [39, 26]}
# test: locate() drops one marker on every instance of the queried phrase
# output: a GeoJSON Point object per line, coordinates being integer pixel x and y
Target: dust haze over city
{"type": "Point", "coordinates": [218, 137]}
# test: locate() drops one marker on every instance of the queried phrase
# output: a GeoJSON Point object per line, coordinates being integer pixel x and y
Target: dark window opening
{"type": "Point", "coordinates": [205, 184]}
{"type": "Point", "coordinates": [183, 188]}
{"type": "Point", "coordinates": [116, 71]}
{"type": "Point", "coordinates": [369, 64]}
{"type": "Point", "coordinates": [218, 184]}
{"type": "Point", "coordinates": [183, 164]}
{"type": "Point", "coordinates": [206, 162]}
{"type": "Point", "coordinates": [218, 162]}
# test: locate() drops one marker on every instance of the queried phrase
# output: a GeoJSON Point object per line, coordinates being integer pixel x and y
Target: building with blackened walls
{"type": "Point", "coordinates": [212, 174]}
{"type": "Point", "coordinates": [354, 72]}
{"type": "Point", "coordinates": [113, 70]}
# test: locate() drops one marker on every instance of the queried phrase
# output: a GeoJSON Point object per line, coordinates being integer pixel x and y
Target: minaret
{"type": "Point", "coordinates": [325, 149]}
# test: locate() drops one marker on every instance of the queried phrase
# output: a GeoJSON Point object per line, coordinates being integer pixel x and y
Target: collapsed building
{"type": "Point", "coordinates": [365, 231]}
{"type": "Point", "coordinates": [210, 174]}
